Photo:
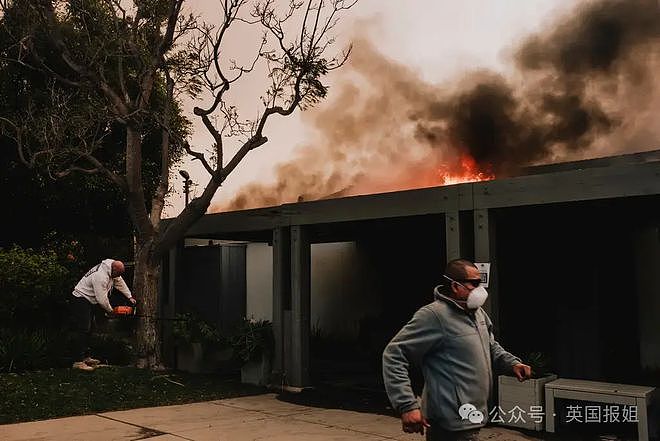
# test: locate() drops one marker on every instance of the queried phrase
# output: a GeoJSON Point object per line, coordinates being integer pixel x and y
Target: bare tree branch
{"type": "Point", "coordinates": [172, 21]}
{"type": "Point", "coordinates": [199, 157]}
{"type": "Point", "coordinates": [311, 44]}
{"type": "Point", "coordinates": [117, 179]}
{"type": "Point", "coordinates": [73, 169]}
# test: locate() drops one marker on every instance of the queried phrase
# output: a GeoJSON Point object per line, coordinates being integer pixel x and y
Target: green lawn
{"type": "Point", "coordinates": [65, 392]}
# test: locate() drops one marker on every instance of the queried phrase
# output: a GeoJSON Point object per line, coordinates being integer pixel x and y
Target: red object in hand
{"type": "Point", "coordinates": [123, 310]}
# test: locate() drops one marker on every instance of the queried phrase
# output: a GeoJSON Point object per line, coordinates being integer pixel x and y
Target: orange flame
{"type": "Point", "coordinates": [467, 171]}
{"type": "Point", "coordinates": [462, 170]}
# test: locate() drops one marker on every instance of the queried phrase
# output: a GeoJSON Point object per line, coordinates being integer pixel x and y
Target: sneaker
{"type": "Point", "coordinates": [93, 362]}
{"type": "Point", "coordinates": [81, 365]}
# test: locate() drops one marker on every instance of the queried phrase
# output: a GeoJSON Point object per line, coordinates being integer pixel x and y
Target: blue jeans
{"type": "Point", "coordinates": [439, 434]}
{"type": "Point", "coordinates": [80, 316]}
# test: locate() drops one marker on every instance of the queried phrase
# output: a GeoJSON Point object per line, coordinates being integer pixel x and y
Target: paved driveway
{"type": "Point", "coordinates": [261, 417]}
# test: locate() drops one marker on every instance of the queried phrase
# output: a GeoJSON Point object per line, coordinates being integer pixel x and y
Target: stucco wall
{"type": "Point", "coordinates": [259, 275]}
{"type": "Point", "coordinates": [338, 299]}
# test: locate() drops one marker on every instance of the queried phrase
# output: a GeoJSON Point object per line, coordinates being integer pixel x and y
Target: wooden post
{"type": "Point", "coordinates": [167, 288]}
{"type": "Point", "coordinates": [300, 306]}
{"type": "Point", "coordinates": [453, 235]}
{"type": "Point", "coordinates": [549, 410]}
{"type": "Point", "coordinates": [281, 294]}
{"type": "Point", "coordinates": [484, 251]}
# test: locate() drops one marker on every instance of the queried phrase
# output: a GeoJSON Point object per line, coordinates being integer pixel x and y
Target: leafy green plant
{"type": "Point", "coordinates": [23, 350]}
{"type": "Point", "coordinates": [188, 328]}
{"type": "Point", "coordinates": [252, 339]}
{"type": "Point", "coordinates": [539, 363]}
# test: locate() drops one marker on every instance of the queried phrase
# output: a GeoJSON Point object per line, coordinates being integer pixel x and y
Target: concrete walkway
{"type": "Point", "coordinates": [261, 417]}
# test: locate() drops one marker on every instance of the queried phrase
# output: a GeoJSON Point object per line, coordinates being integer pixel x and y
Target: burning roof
{"type": "Point", "coordinates": [585, 84]}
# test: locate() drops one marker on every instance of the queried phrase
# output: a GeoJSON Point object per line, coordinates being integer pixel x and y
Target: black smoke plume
{"type": "Point", "coordinates": [585, 87]}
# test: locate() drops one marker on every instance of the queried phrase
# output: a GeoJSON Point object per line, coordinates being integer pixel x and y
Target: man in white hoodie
{"type": "Point", "coordinates": [93, 289]}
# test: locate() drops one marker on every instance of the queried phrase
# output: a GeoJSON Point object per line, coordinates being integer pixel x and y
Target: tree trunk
{"type": "Point", "coordinates": [145, 287]}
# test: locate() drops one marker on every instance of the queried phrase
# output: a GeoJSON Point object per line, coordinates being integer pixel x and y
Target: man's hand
{"type": "Point", "coordinates": [132, 300]}
{"type": "Point", "coordinates": [522, 371]}
{"type": "Point", "coordinates": [413, 422]}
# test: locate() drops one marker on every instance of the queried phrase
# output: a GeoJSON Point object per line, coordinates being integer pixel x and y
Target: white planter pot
{"type": "Point", "coordinates": [189, 358]}
{"type": "Point", "coordinates": [256, 372]}
{"type": "Point", "coordinates": [197, 359]}
{"type": "Point", "coordinates": [523, 394]}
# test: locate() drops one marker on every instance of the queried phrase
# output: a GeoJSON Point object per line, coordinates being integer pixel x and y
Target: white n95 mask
{"type": "Point", "coordinates": [477, 297]}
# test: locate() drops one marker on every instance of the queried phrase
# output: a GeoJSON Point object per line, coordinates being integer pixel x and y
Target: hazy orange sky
{"type": "Point", "coordinates": [439, 39]}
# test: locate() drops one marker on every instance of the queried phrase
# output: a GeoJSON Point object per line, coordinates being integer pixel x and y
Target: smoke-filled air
{"type": "Point", "coordinates": [587, 86]}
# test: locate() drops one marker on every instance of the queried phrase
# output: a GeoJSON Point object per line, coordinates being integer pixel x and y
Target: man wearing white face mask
{"type": "Point", "coordinates": [452, 341]}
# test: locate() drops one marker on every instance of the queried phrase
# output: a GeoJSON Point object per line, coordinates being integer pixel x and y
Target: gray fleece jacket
{"type": "Point", "coordinates": [457, 353]}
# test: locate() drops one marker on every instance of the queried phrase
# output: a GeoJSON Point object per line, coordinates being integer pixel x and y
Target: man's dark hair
{"type": "Point", "coordinates": [456, 269]}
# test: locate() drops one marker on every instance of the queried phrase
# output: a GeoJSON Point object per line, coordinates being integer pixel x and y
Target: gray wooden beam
{"type": "Point", "coordinates": [482, 236]}
{"type": "Point", "coordinates": [300, 306]}
{"type": "Point", "coordinates": [484, 251]}
{"type": "Point", "coordinates": [375, 206]}
{"type": "Point", "coordinates": [629, 179]}
{"type": "Point", "coordinates": [261, 219]}
{"type": "Point", "coordinates": [455, 199]}
{"type": "Point", "coordinates": [168, 302]}
{"type": "Point", "coordinates": [453, 235]}
{"type": "Point", "coordinates": [281, 294]}
{"type": "Point", "coordinates": [420, 201]}
{"type": "Point", "coordinates": [569, 186]}
{"type": "Point", "coordinates": [605, 161]}
{"type": "Point", "coordinates": [173, 269]}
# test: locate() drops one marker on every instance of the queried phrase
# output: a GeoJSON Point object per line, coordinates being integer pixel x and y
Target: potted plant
{"type": "Point", "coordinates": [253, 343]}
{"type": "Point", "coordinates": [521, 404]}
{"type": "Point", "coordinates": [200, 348]}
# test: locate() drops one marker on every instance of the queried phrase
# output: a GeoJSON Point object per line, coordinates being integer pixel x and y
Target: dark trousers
{"type": "Point", "coordinates": [439, 434]}
{"type": "Point", "coordinates": [81, 327]}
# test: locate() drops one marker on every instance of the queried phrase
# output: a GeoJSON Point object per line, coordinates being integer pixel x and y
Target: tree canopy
{"type": "Point", "coordinates": [85, 206]}
{"type": "Point", "coordinates": [105, 75]}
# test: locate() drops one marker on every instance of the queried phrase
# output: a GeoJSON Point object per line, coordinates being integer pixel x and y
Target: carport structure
{"type": "Point", "coordinates": [463, 214]}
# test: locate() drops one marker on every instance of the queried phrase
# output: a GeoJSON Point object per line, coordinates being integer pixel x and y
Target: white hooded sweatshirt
{"type": "Point", "coordinates": [97, 283]}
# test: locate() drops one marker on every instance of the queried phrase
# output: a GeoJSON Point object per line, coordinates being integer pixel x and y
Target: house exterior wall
{"type": "Point", "coordinates": [339, 299]}
{"type": "Point", "coordinates": [349, 282]}
{"type": "Point", "coordinates": [648, 286]}
{"type": "Point", "coordinates": [212, 284]}
{"type": "Point", "coordinates": [259, 279]}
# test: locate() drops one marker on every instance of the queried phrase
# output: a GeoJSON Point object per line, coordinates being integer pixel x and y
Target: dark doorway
{"type": "Point", "coordinates": [401, 261]}
{"type": "Point", "coordinates": [213, 284]}
{"type": "Point", "coordinates": [568, 285]}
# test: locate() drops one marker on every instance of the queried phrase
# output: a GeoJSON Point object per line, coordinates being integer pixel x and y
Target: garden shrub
{"type": "Point", "coordinates": [26, 350]}
{"type": "Point", "coordinates": [32, 289]}
{"type": "Point", "coordinates": [189, 328]}
{"type": "Point", "coordinates": [252, 339]}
